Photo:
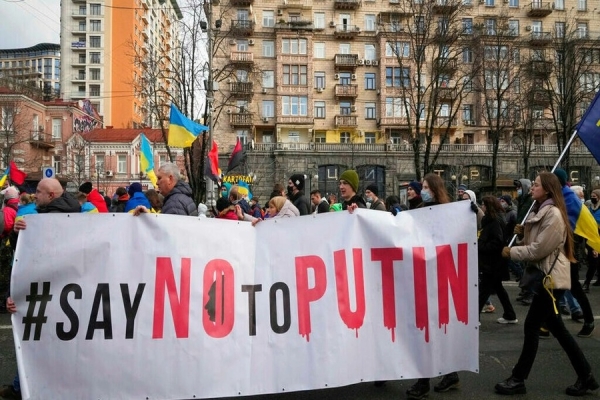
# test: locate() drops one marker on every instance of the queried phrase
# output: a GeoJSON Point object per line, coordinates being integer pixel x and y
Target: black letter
{"type": "Point", "coordinates": [69, 312]}
{"type": "Point", "coordinates": [131, 310]}
{"type": "Point", "coordinates": [102, 294]}
{"type": "Point", "coordinates": [287, 319]}
{"type": "Point", "coordinates": [252, 289]}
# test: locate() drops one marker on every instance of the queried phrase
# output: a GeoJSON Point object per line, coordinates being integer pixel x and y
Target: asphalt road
{"type": "Point", "coordinates": [499, 348]}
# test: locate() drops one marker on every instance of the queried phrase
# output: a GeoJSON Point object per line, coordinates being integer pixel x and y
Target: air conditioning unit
{"type": "Point", "coordinates": [264, 91]}
{"type": "Point", "coordinates": [375, 63]}
{"type": "Point", "coordinates": [319, 90]}
{"type": "Point", "coordinates": [353, 77]}
{"type": "Point", "coordinates": [232, 41]}
{"type": "Point", "coordinates": [109, 173]}
{"type": "Point", "coordinates": [360, 62]}
{"type": "Point", "coordinates": [353, 108]}
{"type": "Point", "coordinates": [250, 42]}
{"type": "Point", "coordinates": [378, 91]}
{"type": "Point", "coordinates": [280, 12]}
{"type": "Point", "coordinates": [367, 62]}
{"type": "Point", "coordinates": [528, 28]}
{"type": "Point", "coordinates": [265, 119]}
{"type": "Point", "coordinates": [332, 24]}
{"type": "Point", "coordinates": [469, 122]}
{"type": "Point", "coordinates": [337, 76]}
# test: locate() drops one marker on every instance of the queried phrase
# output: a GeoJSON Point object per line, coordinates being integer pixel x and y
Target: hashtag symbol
{"type": "Point", "coordinates": [39, 319]}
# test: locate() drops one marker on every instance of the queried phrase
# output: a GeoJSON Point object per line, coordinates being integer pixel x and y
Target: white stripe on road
{"type": "Point", "coordinates": [5, 326]}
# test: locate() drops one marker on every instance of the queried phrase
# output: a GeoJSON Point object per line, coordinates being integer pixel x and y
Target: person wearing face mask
{"type": "Point", "coordinates": [371, 193]}
{"type": "Point", "coordinates": [296, 195]}
{"type": "Point", "coordinates": [592, 256]}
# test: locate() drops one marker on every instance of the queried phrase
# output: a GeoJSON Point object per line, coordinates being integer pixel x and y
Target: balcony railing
{"type": "Point", "coordinates": [242, 27]}
{"type": "Point", "coordinates": [346, 4]}
{"type": "Point", "coordinates": [344, 31]}
{"type": "Point", "coordinates": [539, 9]}
{"type": "Point", "coordinates": [245, 88]}
{"type": "Point", "coordinates": [540, 38]}
{"type": "Point", "coordinates": [241, 119]}
{"type": "Point", "coordinates": [241, 57]}
{"type": "Point", "coordinates": [346, 120]}
{"type": "Point", "coordinates": [41, 139]}
{"type": "Point", "coordinates": [346, 90]}
{"type": "Point", "coordinates": [346, 60]}
{"type": "Point", "coordinates": [443, 122]}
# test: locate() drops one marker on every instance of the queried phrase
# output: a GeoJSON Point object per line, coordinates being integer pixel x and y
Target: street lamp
{"type": "Point", "coordinates": [141, 175]}
{"type": "Point", "coordinates": [98, 168]}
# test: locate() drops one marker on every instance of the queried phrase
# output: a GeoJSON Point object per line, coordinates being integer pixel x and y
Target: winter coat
{"type": "Point", "coordinates": [301, 202]}
{"type": "Point", "coordinates": [378, 205]}
{"type": "Point", "coordinates": [356, 199]}
{"type": "Point", "coordinates": [415, 202]}
{"type": "Point", "coordinates": [118, 205]}
{"type": "Point", "coordinates": [524, 200]}
{"type": "Point", "coordinates": [179, 201]}
{"type": "Point", "coordinates": [228, 213]}
{"type": "Point", "coordinates": [323, 207]}
{"type": "Point", "coordinates": [489, 248]}
{"type": "Point", "coordinates": [473, 199]}
{"type": "Point", "coordinates": [288, 210]}
{"type": "Point", "coordinates": [66, 203]}
{"type": "Point", "coordinates": [138, 199]}
{"type": "Point", "coordinates": [88, 207]}
{"type": "Point", "coordinates": [9, 213]}
{"type": "Point", "coordinates": [98, 200]}
{"type": "Point", "coordinates": [545, 235]}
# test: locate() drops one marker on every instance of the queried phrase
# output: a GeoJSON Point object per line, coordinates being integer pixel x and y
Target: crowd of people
{"type": "Point", "coordinates": [514, 235]}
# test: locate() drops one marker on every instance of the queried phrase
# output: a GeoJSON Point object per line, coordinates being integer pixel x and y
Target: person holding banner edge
{"type": "Point", "coordinates": [547, 240]}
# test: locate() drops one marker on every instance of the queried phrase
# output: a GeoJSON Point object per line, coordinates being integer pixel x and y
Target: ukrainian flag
{"type": "Point", "coordinates": [182, 130]}
{"type": "Point", "coordinates": [581, 219]}
{"type": "Point", "coordinates": [147, 160]}
{"type": "Point", "coordinates": [4, 177]}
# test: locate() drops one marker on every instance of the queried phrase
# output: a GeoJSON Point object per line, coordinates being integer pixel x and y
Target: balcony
{"type": "Point", "coordinates": [393, 121]}
{"type": "Point", "coordinates": [346, 60]}
{"type": "Point", "coordinates": [241, 57]}
{"type": "Point", "coordinates": [446, 93]}
{"type": "Point", "coordinates": [540, 97]}
{"type": "Point", "coordinates": [241, 88]}
{"type": "Point", "coordinates": [295, 25]}
{"type": "Point", "coordinates": [539, 9]}
{"type": "Point", "coordinates": [447, 65]}
{"type": "Point", "coordinates": [540, 38]}
{"type": "Point", "coordinates": [539, 68]}
{"type": "Point", "coordinates": [346, 4]}
{"type": "Point", "coordinates": [78, 45]}
{"type": "Point", "coordinates": [242, 27]}
{"type": "Point", "coordinates": [346, 90]}
{"type": "Point", "coordinates": [445, 7]}
{"type": "Point", "coordinates": [41, 140]}
{"type": "Point", "coordinates": [241, 3]}
{"type": "Point", "coordinates": [240, 119]}
{"type": "Point", "coordinates": [445, 122]}
{"type": "Point", "coordinates": [346, 121]}
{"type": "Point", "coordinates": [78, 78]}
{"type": "Point", "coordinates": [79, 14]}
{"type": "Point", "coordinates": [76, 61]}
{"type": "Point", "coordinates": [345, 31]}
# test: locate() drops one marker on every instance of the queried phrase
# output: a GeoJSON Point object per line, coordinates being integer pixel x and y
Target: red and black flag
{"type": "Point", "coordinates": [212, 163]}
{"type": "Point", "coordinates": [236, 156]}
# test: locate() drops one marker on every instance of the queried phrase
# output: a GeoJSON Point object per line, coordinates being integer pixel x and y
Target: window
{"type": "Point", "coordinates": [268, 48]}
{"type": "Point", "coordinates": [242, 134]}
{"type": "Point", "coordinates": [345, 107]}
{"type": "Point", "coordinates": [397, 77]}
{"type": "Point", "coordinates": [517, 85]}
{"type": "Point", "coordinates": [369, 52]}
{"type": "Point", "coordinates": [490, 26]}
{"type": "Point", "coordinates": [370, 138]}
{"type": "Point", "coordinates": [122, 164]}
{"type": "Point", "coordinates": [369, 80]}
{"type": "Point", "coordinates": [294, 136]}
{"type": "Point", "coordinates": [319, 79]}
{"type": "Point", "coordinates": [581, 5]}
{"type": "Point", "coordinates": [582, 30]}
{"type": "Point", "coordinates": [319, 109]}
{"type": "Point", "coordinates": [493, 108]}
{"type": "Point", "coordinates": [81, 74]}
{"type": "Point", "coordinates": [559, 4]}
{"type": "Point", "coordinates": [95, 90]}
{"type": "Point", "coordinates": [559, 29]}
{"type": "Point", "coordinates": [489, 3]}
{"type": "Point", "coordinates": [267, 137]}
{"type": "Point", "coordinates": [295, 74]}
{"type": "Point", "coordinates": [268, 79]}
{"type": "Point", "coordinates": [94, 58]}
{"type": "Point", "coordinates": [396, 107]}
{"type": "Point", "coordinates": [399, 49]}
{"type": "Point", "coordinates": [241, 75]}
{"type": "Point", "coordinates": [95, 25]}
{"type": "Point", "coordinates": [268, 108]}
{"type": "Point", "coordinates": [94, 74]}
{"type": "Point", "coordinates": [467, 114]}
{"type": "Point", "coordinates": [319, 50]}
{"type": "Point", "coordinates": [320, 137]}
{"type": "Point", "coordinates": [370, 111]}
{"type": "Point", "coordinates": [495, 52]}
{"type": "Point", "coordinates": [496, 79]}
{"type": "Point", "coordinates": [268, 18]}
{"type": "Point", "coordinates": [294, 105]}
{"type": "Point", "coordinates": [95, 41]}
{"type": "Point", "coordinates": [467, 26]}
{"type": "Point", "coordinates": [56, 128]}
{"type": "Point", "coordinates": [8, 115]}
{"type": "Point", "coordinates": [242, 45]}
{"type": "Point", "coordinates": [513, 3]}
{"type": "Point", "coordinates": [467, 55]}
{"type": "Point", "coordinates": [345, 137]}
{"type": "Point", "coordinates": [420, 25]}
{"type": "Point", "coordinates": [95, 9]}
{"type": "Point", "coordinates": [516, 56]}
{"type": "Point", "coordinates": [81, 59]}
{"type": "Point", "coordinates": [319, 20]}
{"type": "Point", "coordinates": [99, 167]}
{"type": "Point", "coordinates": [81, 27]}
{"type": "Point", "coordinates": [369, 22]}
{"type": "Point", "coordinates": [513, 27]}
{"type": "Point", "coordinates": [293, 46]}
{"type": "Point", "coordinates": [56, 164]}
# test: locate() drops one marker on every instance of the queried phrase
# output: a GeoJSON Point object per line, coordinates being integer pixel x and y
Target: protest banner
{"type": "Point", "coordinates": [172, 307]}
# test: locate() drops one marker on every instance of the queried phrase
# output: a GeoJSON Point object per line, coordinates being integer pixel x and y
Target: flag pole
{"type": "Point", "coordinates": [560, 157]}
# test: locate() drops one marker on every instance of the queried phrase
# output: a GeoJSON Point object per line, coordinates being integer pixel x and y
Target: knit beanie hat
{"type": "Point", "coordinates": [373, 189]}
{"type": "Point", "coordinates": [462, 187]}
{"type": "Point", "coordinates": [134, 188]}
{"type": "Point", "coordinates": [298, 181]}
{"type": "Point", "coordinates": [416, 187]}
{"type": "Point", "coordinates": [507, 199]}
{"type": "Point", "coordinates": [86, 187]}
{"type": "Point", "coordinates": [351, 177]}
{"type": "Point", "coordinates": [561, 174]}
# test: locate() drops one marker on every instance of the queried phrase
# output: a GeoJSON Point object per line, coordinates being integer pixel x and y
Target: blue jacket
{"type": "Point", "coordinates": [25, 209]}
{"type": "Point", "coordinates": [138, 199]}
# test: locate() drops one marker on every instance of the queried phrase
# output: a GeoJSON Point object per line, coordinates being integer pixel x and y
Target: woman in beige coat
{"type": "Point", "coordinates": [546, 239]}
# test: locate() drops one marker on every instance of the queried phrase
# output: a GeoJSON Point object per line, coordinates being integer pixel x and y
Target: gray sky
{"type": "Point", "coordinates": [28, 22]}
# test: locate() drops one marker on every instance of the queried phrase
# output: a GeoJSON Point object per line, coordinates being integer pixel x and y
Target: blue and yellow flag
{"type": "Point", "coordinates": [147, 160]}
{"type": "Point", "coordinates": [4, 177]}
{"type": "Point", "coordinates": [182, 130]}
{"type": "Point", "coordinates": [588, 128]}
{"type": "Point", "coordinates": [581, 219]}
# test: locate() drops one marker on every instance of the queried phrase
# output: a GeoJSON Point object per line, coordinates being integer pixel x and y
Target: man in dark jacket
{"type": "Point", "coordinates": [348, 188]}
{"type": "Point", "coordinates": [296, 195]}
{"type": "Point", "coordinates": [321, 205]}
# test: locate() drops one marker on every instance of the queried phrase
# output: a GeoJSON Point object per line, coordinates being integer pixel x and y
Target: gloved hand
{"type": "Point", "coordinates": [519, 231]}
{"type": "Point", "coordinates": [474, 207]}
{"type": "Point", "coordinates": [506, 252]}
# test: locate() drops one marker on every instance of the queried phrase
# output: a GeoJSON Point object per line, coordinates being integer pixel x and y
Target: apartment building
{"type": "Point", "coordinates": [37, 66]}
{"type": "Point", "coordinates": [107, 46]}
{"type": "Point", "coordinates": [316, 87]}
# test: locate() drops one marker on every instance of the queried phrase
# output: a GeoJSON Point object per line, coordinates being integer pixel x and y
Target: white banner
{"type": "Point", "coordinates": [169, 307]}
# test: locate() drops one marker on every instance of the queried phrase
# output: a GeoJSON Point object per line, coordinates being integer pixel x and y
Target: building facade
{"type": "Point", "coordinates": [37, 66]}
{"type": "Point", "coordinates": [316, 87]}
{"type": "Point", "coordinates": [108, 48]}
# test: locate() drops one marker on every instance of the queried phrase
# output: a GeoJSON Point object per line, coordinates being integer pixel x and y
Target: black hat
{"type": "Point", "coordinates": [373, 189]}
{"type": "Point", "coordinates": [561, 174]}
{"type": "Point", "coordinates": [507, 199]}
{"type": "Point", "coordinates": [86, 187]}
{"type": "Point", "coordinates": [298, 181]}
{"type": "Point", "coordinates": [417, 187]}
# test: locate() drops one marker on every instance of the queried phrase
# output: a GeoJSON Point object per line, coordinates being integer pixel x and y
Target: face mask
{"type": "Point", "coordinates": [519, 192]}
{"type": "Point", "coordinates": [369, 199]}
{"type": "Point", "coordinates": [426, 196]}
{"type": "Point", "coordinates": [504, 205]}
{"type": "Point", "coordinates": [583, 201]}
{"type": "Point", "coordinates": [594, 201]}
{"type": "Point", "coordinates": [290, 190]}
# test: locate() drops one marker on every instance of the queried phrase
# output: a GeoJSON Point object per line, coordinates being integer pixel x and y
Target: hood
{"type": "Point", "coordinates": [471, 195]}
{"type": "Point", "coordinates": [526, 185]}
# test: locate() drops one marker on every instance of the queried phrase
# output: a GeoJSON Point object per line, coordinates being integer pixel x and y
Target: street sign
{"type": "Point", "coordinates": [48, 172]}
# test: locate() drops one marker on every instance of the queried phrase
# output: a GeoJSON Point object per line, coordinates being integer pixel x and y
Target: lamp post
{"type": "Point", "coordinates": [141, 175]}
{"type": "Point", "coordinates": [98, 170]}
